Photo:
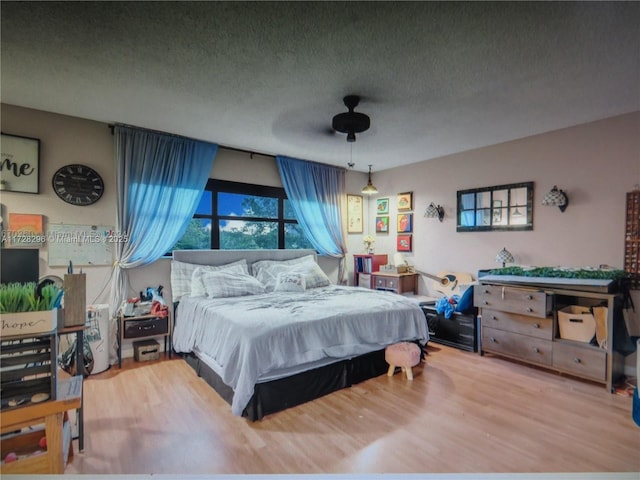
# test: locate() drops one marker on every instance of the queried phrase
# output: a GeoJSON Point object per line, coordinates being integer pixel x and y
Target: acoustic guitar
{"type": "Point", "coordinates": [448, 283]}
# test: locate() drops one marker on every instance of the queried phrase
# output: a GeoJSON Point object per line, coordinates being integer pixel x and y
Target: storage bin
{"type": "Point", "coordinates": [364, 280]}
{"type": "Point", "coordinates": [576, 323]}
{"type": "Point", "coordinates": [145, 350]}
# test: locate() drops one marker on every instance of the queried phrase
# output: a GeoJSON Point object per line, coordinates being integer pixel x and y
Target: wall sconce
{"type": "Point", "coordinates": [556, 198]}
{"type": "Point", "coordinates": [434, 211]}
{"type": "Point", "coordinates": [369, 188]}
{"type": "Point", "coordinates": [504, 256]}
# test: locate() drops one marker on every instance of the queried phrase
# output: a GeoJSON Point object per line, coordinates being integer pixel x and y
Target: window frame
{"type": "Point", "coordinates": [216, 186]}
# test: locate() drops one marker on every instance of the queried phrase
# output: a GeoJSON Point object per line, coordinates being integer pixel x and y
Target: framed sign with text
{"type": "Point", "coordinates": [20, 167]}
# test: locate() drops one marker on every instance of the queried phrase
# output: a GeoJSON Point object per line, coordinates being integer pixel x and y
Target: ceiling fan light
{"type": "Point", "coordinates": [351, 122]}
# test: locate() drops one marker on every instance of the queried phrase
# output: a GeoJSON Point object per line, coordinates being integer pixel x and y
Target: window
{"type": "Point", "coordinates": [234, 215]}
{"type": "Point", "coordinates": [503, 207]}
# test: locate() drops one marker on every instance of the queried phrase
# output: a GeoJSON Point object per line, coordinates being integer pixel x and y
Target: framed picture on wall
{"type": "Point", "coordinates": [405, 221]}
{"type": "Point", "coordinates": [26, 230]}
{"type": "Point", "coordinates": [20, 170]}
{"type": "Point", "coordinates": [382, 206]}
{"type": "Point", "coordinates": [404, 243]}
{"type": "Point", "coordinates": [382, 224]}
{"type": "Point", "coordinates": [354, 213]}
{"type": "Point", "coordinates": [405, 202]}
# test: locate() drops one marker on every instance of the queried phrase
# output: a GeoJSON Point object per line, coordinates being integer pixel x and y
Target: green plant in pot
{"type": "Point", "coordinates": [26, 308]}
{"type": "Point", "coordinates": [25, 297]}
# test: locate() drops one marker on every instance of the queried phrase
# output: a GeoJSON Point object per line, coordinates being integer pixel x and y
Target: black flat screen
{"type": "Point", "coordinates": [19, 265]}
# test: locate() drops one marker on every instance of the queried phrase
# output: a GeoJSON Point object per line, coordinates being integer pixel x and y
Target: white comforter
{"type": "Point", "coordinates": [250, 337]}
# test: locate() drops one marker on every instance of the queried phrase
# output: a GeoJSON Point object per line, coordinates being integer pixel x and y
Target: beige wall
{"type": "Point", "coordinates": [65, 140]}
{"type": "Point", "coordinates": [595, 164]}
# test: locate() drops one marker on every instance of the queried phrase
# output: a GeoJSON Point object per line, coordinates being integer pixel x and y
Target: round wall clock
{"type": "Point", "coordinates": [78, 184]}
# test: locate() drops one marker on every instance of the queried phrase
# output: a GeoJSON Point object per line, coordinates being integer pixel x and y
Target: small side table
{"type": "Point", "coordinates": [144, 326]}
{"type": "Point", "coordinates": [396, 282]}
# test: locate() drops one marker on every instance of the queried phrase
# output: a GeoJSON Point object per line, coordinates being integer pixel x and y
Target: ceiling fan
{"type": "Point", "coordinates": [351, 122]}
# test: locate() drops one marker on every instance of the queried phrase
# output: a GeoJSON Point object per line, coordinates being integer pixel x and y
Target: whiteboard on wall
{"type": "Point", "coordinates": [83, 245]}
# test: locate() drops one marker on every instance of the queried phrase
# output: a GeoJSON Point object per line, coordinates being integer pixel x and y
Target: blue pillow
{"type": "Point", "coordinates": [466, 300]}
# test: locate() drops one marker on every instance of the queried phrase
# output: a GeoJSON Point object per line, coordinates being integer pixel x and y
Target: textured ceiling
{"type": "Point", "coordinates": [436, 77]}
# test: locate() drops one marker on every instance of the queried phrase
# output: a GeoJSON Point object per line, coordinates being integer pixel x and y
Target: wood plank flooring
{"type": "Point", "coordinates": [463, 413]}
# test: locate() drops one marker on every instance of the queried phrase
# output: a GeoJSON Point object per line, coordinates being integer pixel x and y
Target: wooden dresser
{"type": "Point", "coordinates": [521, 322]}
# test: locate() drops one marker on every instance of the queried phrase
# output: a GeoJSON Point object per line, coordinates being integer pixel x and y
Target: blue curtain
{"type": "Point", "coordinates": [159, 181]}
{"type": "Point", "coordinates": [316, 193]}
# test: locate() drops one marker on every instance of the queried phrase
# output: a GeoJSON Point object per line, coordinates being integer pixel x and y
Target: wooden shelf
{"type": "Point", "coordinates": [367, 264]}
{"type": "Point", "coordinates": [51, 414]}
{"type": "Point", "coordinates": [632, 239]}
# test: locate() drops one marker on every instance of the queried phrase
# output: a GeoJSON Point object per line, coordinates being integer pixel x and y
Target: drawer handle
{"type": "Point", "coordinates": [149, 327]}
{"type": "Point", "coordinates": [484, 302]}
{"type": "Point", "coordinates": [577, 360]}
{"type": "Point", "coordinates": [486, 291]}
{"type": "Point", "coordinates": [529, 297]}
{"type": "Point", "coordinates": [493, 317]}
{"type": "Point", "coordinates": [535, 325]}
{"type": "Point", "coordinates": [536, 350]}
{"type": "Point", "coordinates": [494, 340]}
{"type": "Point", "coordinates": [529, 309]}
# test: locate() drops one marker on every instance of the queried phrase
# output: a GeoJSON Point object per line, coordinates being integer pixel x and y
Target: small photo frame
{"type": "Point", "coordinates": [404, 243]}
{"type": "Point", "coordinates": [382, 224]}
{"type": "Point", "coordinates": [405, 202]}
{"type": "Point", "coordinates": [354, 213]}
{"type": "Point", "coordinates": [405, 222]}
{"type": "Point", "coordinates": [382, 206]}
{"type": "Point", "coordinates": [25, 230]}
{"type": "Point", "coordinates": [20, 164]}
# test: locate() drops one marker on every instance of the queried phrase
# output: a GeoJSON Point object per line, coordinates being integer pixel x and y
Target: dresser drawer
{"type": "Point", "coordinates": [513, 322]}
{"type": "Point", "coordinates": [516, 300]}
{"type": "Point", "coordinates": [146, 327]}
{"type": "Point", "coordinates": [386, 283]}
{"type": "Point", "coordinates": [583, 361]}
{"type": "Point", "coordinates": [530, 349]}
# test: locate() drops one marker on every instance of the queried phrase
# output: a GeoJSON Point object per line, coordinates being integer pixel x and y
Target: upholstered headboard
{"type": "Point", "coordinates": [222, 257]}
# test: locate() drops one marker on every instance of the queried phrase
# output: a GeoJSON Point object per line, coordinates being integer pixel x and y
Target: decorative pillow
{"type": "Point", "coordinates": [256, 266]}
{"type": "Point", "coordinates": [182, 272]}
{"type": "Point", "coordinates": [313, 275]}
{"type": "Point", "coordinates": [466, 300]}
{"type": "Point", "coordinates": [227, 283]}
{"type": "Point", "coordinates": [290, 282]}
{"type": "Point", "coordinates": [197, 285]}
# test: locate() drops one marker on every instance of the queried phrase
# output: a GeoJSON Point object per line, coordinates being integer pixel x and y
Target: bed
{"type": "Point", "coordinates": [267, 329]}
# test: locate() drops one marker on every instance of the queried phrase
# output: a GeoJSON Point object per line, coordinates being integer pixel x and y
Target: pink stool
{"type": "Point", "coordinates": [405, 355]}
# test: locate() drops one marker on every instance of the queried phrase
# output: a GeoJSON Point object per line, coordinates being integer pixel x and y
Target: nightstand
{"type": "Point", "coordinates": [143, 326]}
{"type": "Point", "coordinates": [459, 331]}
{"type": "Point", "coordinates": [396, 282]}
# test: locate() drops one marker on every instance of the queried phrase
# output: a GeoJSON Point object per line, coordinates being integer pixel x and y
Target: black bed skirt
{"type": "Point", "coordinates": [277, 395]}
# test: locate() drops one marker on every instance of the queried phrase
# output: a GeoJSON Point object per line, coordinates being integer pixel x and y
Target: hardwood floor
{"type": "Point", "coordinates": [462, 413]}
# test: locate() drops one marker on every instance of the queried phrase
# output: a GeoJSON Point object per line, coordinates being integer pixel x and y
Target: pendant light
{"type": "Point", "coordinates": [369, 187]}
